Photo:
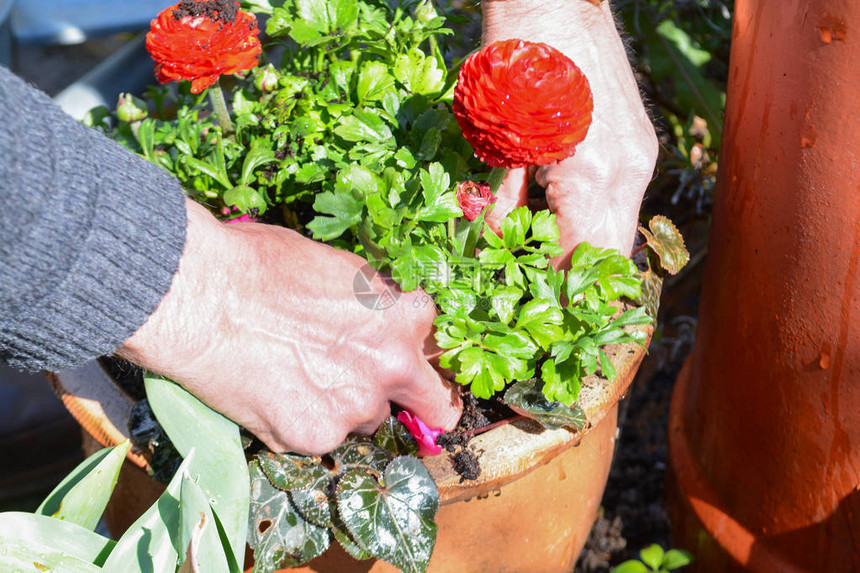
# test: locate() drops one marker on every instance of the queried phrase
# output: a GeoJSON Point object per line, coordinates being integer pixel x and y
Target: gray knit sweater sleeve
{"type": "Point", "coordinates": [90, 235]}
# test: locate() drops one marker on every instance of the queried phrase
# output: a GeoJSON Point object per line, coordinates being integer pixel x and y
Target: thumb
{"type": "Point", "coordinates": [513, 193]}
{"type": "Point", "coordinates": [435, 401]}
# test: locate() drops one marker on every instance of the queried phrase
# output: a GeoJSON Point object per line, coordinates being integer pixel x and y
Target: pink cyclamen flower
{"type": "Point", "coordinates": [473, 198]}
{"type": "Point", "coordinates": [423, 434]}
{"type": "Point", "coordinates": [246, 218]}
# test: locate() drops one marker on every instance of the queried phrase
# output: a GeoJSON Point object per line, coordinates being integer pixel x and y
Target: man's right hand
{"type": "Point", "coordinates": [265, 326]}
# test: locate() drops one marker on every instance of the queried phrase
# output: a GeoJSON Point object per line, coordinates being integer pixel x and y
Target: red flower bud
{"type": "Point", "coordinates": [473, 198]}
{"type": "Point", "coordinates": [200, 40]}
{"type": "Point", "coordinates": [520, 103]}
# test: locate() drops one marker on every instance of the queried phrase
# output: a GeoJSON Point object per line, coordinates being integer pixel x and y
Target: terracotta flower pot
{"type": "Point", "coordinates": [530, 510]}
{"type": "Point", "coordinates": [764, 428]}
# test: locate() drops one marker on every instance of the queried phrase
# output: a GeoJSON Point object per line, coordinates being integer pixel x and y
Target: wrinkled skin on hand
{"type": "Point", "coordinates": [264, 326]}
{"type": "Point", "coordinates": [596, 194]}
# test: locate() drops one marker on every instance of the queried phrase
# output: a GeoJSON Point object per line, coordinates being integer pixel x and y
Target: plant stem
{"type": "Point", "coordinates": [497, 175]}
{"type": "Point", "coordinates": [492, 426]}
{"type": "Point", "coordinates": [216, 96]}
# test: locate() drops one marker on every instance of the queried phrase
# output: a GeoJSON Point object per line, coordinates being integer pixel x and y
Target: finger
{"type": "Point", "coordinates": [435, 401]}
{"type": "Point", "coordinates": [513, 193]}
{"type": "Point", "coordinates": [371, 425]}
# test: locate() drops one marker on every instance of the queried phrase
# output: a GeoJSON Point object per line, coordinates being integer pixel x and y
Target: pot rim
{"type": "Point", "coordinates": [506, 452]}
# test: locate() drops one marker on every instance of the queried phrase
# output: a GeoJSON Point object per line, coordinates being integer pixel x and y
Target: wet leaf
{"type": "Point", "coordinates": [666, 241]}
{"type": "Point", "coordinates": [392, 517]}
{"type": "Point", "coordinates": [278, 534]}
{"type": "Point", "coordinates": [526, 397]}
{"type": "Point", "coordinates": [393, 436]}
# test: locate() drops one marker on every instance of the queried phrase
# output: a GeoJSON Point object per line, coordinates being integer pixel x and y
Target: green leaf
{"type": "Point", "coordinates": [373, 81]}
{"type": "Point", "coordinates": [675, 59]}
{"type": "Point", "coordinates": [23, 557]}
{"type": "Point", "coordinates": [361, 179]}
{"type": "Point", "coordinates": [219, 466]}
{"type": "Point", "coordinates": [476, 371]}
{"type": "Point", "coordinates": [504, 300]}
{"type": "Point", "coordinates": [634, 316]}
{"type": "Point", "coordinates": [82, 496]}
{"type": "Point", "coordinates": [345, 210]}
{"type": "Point", "coordinates": [676, 558]}
{"type": "Point", "coordinates": [364, 126]}
{"type": "Point", "coordinates": [152, 541]}
{"type": "Point", "coordinates": [512, 343]}
{"type": "Point", "coordinates": [393, 436]}
{"type": "Point", "coordinates": [207, 168]}
{"type": "Point", "coordinates": [562, 380]}
{"type": "Point", "coordinates": [526, 397]}
{"type": "Point", "coordinates": [542, 319]}
{"type": "Point", "coordinates": [392, 516]}
{"type": "Point", "coordinates": [666, 241]}
{"type": "Point", "coordinates": [278, 534]}
{"type": "Point", "coordinates": [544, 227]}
{"type": "Point", "coordinates": [652, 556]}
{"type": "Point", "coordinates": [420, 74]}
{"type": "Point", "coordinates": [198, 532]}
{"type": "Point", "coordinates": [289, 472]}
{"type": "Point", "coordinates": [256, 157]}
{"type": "Point", "coordinates": [514, 227]}
{"type": "Point", "coordinates": [42, 533]}
{"type": "Point", "coordinates": [631, 566]}
{"type": "Point", "coordinates": [245, 199]}
{"type": "Point", "coordinates": [434, 182]}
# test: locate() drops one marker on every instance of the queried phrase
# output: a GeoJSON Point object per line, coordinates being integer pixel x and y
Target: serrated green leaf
{"type": "Point", "coordinates": [373, 81]}
{"type": "Point", "coordinates": [392, 517]}
{"type": "Point", "coordinates": [544, 227]}
{"type": "Point", "coordinates": [526, 397]}
{"type": "Point", "coordinates": [289, 472]}
{"type": "Point", "coordinates": [345, 210]}
{"type": "Point", "coordinates": [418, 73]}
{"type": "Point", "coordinates": [668, 243]}
{"type": "Point", "coordinates": [279, 536]}
{"type": "Point", "coordinates": [476, 371]}
{"type": "Point", "coordinates": [514, 227]}
{"type": "Point", "coordinates": [364, 126]}
{"type": "Point", "coordinates": [562, 380]}
{"type": "Point", "coordinates": [504, 300]}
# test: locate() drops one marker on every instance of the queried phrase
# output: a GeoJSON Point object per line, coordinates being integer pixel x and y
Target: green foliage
{"type": "Point", "coordinates": [82, 496]}
{"type": "Point", "coordinates": [653, 558]}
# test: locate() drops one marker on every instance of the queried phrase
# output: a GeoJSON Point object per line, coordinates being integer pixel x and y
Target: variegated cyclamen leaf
{"type": "Point", "coordinates": [666, 241]}
{"type": "Point", "coordinates": [279, 536]}
{"type": "Point", "coordinates": [526, 397]}
{"type": "Point", "coordinates": [290, 472]}
{"type": "Point", "coordinates": [393, 516]}
{"type": "Point", "coordinates": [364, 456]}
{"type": "Point", "coordinates": [393, 437]}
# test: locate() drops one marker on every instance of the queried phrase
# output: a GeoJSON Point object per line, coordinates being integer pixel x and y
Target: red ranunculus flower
{"type": "Point", "coordinates": [521, 103]}
{"type": "Point", "coordinates": [199, 40]}
{"type": "Point", "coordinates": [473, 198]}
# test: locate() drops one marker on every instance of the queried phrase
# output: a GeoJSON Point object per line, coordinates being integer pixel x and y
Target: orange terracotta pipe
{"type": "Point", "coordinates": [765, 421]}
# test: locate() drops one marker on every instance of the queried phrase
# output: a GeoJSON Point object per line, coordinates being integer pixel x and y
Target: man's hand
{"type": "Point", "coordinates": [264, 326]}
{"type": "Point", "coordinates": [596, 194]}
